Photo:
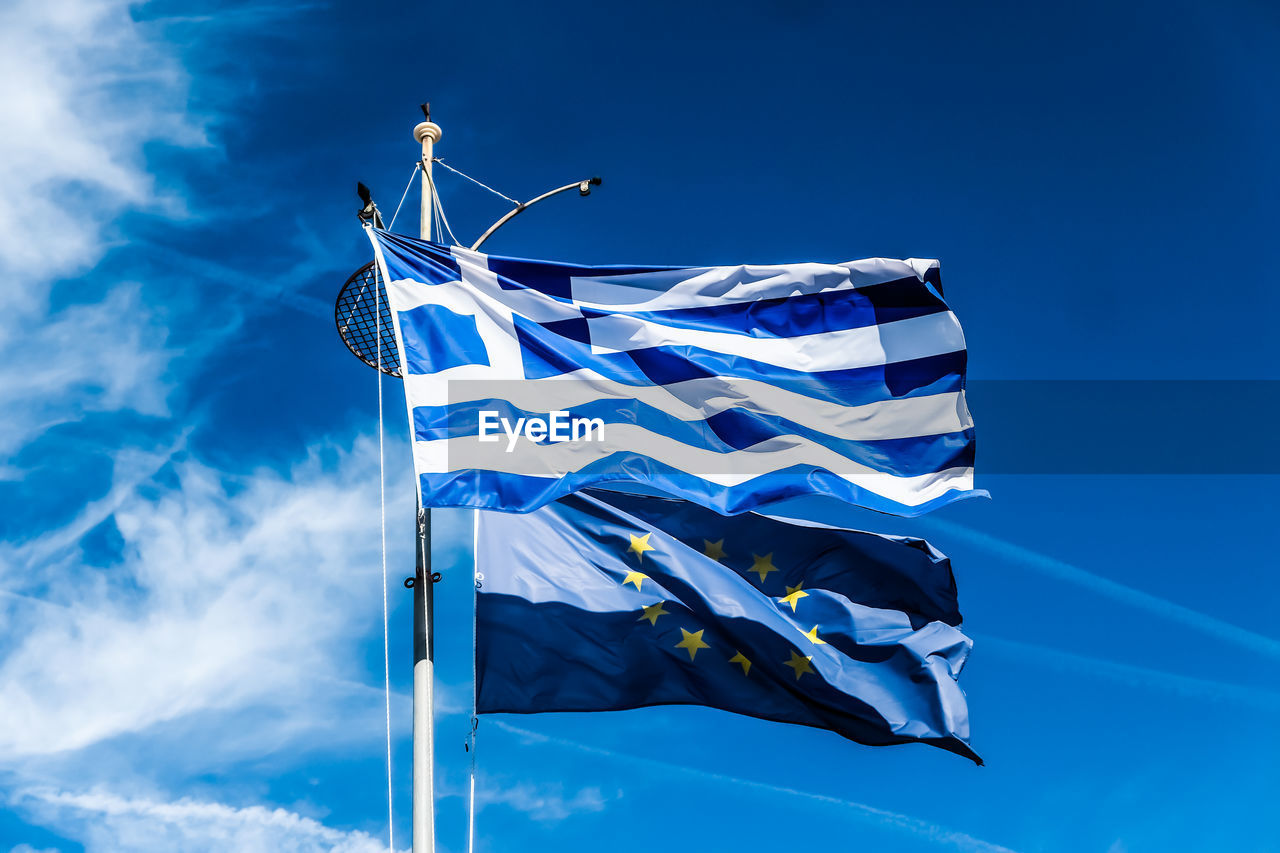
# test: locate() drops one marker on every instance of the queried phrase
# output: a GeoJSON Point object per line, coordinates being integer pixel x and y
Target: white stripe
{"type": "Point", "coordinates": [902, 340]}
{"type": "Point", "coordinates": [724, 469]}
{"type": "Point", "coordinates": [712, 286]}
{"type": "Point", "coordinates": [698, 399]}
{"type": "Point", "coordinates": [480, 296]}
{"type": "Point", "coordinates": [478, 291]}
{"type": "Point", "coordinates": [708, 286]}
{"type": "Point", "coordinates": [684, 288]}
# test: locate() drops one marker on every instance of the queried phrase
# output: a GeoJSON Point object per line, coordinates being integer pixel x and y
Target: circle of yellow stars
{"type": "Point", "coordinates": [692, 641]}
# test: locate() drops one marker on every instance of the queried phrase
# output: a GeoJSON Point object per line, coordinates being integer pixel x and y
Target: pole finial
{"type": "Point", "coordinates": [427, 129]}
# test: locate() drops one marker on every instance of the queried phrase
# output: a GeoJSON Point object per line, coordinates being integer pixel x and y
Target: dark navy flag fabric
{"type": "Point", "coordinates": [734, 387]}
{"type": "Point", "coordinates": [602, 601]}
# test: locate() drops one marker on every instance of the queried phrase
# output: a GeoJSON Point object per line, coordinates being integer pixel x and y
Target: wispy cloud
{"type": "Point", "coordinates": [233, 609]}
{"type": "Point", "coordinates": [1066, 572]}
{"type": "Point", "coordinates": [545, 803]}
{"type": "Point", "coordinates": [131, 468]}
{"type": "Point", "coordinates": [85, 89]}
{"type": "Point", "coordinates": [279, 288]}
{"type": "Point", "coordinates": [882, 817]}
{"type": "Point", "coordinates": [107, 821]}
{"type": "Point", "coordinates": [222, 599]}
{"type": "Point", "coordinates": [106, 356]}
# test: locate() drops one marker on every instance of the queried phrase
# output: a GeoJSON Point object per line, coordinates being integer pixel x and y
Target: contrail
{"type": "Point", "coordinates": [883, 817]}
{"type": "Point", "coordinates": [1141, 676]}
{"type": "Point", "coordinates": [130, 469]}
{"type": "Point", "coordinates": [1063, 571]}
{"type": "Point", "coordinates": [278, 289]}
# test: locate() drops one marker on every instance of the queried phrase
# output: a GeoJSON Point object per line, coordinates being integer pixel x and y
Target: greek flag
{"type": "Point", "coordinates": [734, 387]}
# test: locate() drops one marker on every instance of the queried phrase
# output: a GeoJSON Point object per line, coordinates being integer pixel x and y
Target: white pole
{"type": "Point", "coordinates": [424, 819]}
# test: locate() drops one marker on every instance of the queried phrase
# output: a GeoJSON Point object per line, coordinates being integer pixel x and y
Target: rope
{"type": "Point", "coordinates": [474, 181]}
{"type": "Point", "coordinates": [444, 220]}
{"type": "Point", "coordinates": [404, 195]}
{"type": "Point", "coordinates": [382, 495]}
{"type": "Point", "coordinates": [475, 720]}
{"type": "Point", "coordinates": [438, 208]}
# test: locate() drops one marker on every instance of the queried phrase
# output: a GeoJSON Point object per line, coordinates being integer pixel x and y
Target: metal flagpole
{"type": "Point", "coordinates": [424, 820]}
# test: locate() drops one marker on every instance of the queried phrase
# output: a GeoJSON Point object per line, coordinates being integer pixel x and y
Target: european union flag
{"type": "Point", "coordinates": [603, 601]}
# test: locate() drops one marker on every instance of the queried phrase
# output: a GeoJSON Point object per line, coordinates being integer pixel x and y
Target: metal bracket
{"type": "Point", "coordinates": [583, 188]}
{"type": "Point", "coordinates": [369, 213]}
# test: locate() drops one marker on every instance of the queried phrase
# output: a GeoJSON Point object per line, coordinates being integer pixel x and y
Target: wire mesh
{"type": "Point", "coordinates": [360, 299]}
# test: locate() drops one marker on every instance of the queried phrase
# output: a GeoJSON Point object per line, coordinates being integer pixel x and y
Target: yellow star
{"type": "Point", "coordinates": [692, 642]}
{"type": "Point", "coordinates": [794, 594]}
{"type": "Point", "coordinates": [763, 565]}
{"type": "Point", "coordinates": [640, 544]}
{"type": "Point", "coordinates": [636, 578]}
{"type": "Point", "coordinates": [714, 550]}
{"type": "Point", "coordinates": [739, 657]}
{"type": "Point", "coordinates": [652, 612]}
{"type": "Point", "coordinates": [800, 663]}
{"type": "Point", "coordinates": [812, 634]}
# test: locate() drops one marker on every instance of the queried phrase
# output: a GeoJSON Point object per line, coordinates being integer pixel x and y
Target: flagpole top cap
{"type": "Point", "coordinates": [426, 129]}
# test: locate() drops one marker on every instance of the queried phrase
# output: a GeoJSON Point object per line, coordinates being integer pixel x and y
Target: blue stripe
{"type": "Point", "coordinates": [546, 354]}
{"type": "Point", "coordinates": [551, 278]}
{"type": "Point", "coordinates": [803, 314]}
{"type": "Point", "coordinates": [407, 258]}
{"type": "Point", "coordinates": [521, 493]}
{"type": "Point", "coordinates": [726, 432]}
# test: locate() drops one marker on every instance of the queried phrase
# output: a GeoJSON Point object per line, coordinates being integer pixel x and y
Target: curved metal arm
{"type": "Point", "coordinates": [583, 187]}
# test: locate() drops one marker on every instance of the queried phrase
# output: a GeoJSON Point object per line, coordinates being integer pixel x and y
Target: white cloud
{"type": "Point", "coordinates": [232, 592]}
{"type": "Point", "coordinates": [546, 803]}
{"type": "Point", "coordinates": [85, 88]}
{"type": "Point", "coordinates": [238, 612]}
{"type": "Point", "coordinates": [108, 822]}
{"type": "Point", "coordinates": [102, 357]}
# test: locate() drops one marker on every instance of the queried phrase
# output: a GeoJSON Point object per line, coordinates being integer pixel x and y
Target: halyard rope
{"type": "Point", "coordinates": [382, 496]}
{"type": "Point", "coordinates": [474, 181]}
{"type": "Point", "coordinates": [404, 195]}
{"type": "Point", "coordinates": [437, 210]}
{"type": "Point", "coordinates": [475, 685]}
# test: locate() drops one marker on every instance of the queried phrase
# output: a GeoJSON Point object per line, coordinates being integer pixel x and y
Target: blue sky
{"type": "Point", "coordinates": [191, 652]}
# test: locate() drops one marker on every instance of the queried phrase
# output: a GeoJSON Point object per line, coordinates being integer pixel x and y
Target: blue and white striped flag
{"type": "Point", "coordinates": [733, 387]}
